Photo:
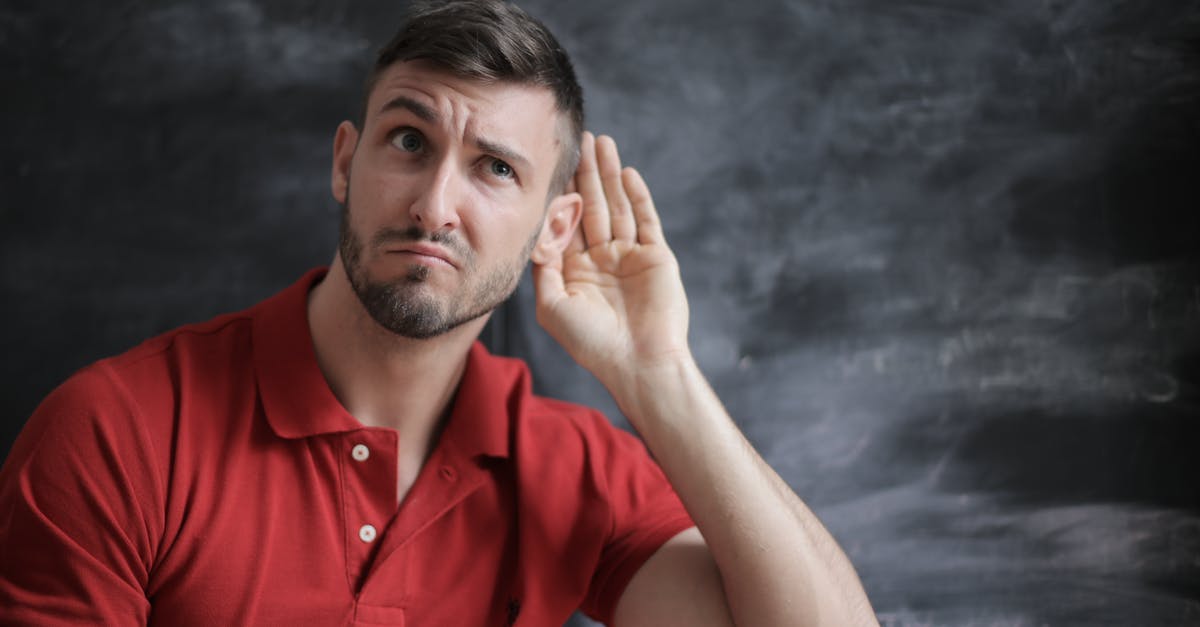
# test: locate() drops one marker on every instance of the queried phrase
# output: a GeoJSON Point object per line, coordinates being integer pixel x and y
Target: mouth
{"type": "Point", "coordinates": [425, 254]}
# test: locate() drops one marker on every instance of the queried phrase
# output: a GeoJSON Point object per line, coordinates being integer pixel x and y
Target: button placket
{"type": "Point", "coordinates": [367, 533]}
{"type": "Point", "coordinates": [369, 493]}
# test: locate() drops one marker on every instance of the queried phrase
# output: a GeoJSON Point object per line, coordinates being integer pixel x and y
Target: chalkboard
{"type": "Point", "coordinates": [942, 255]}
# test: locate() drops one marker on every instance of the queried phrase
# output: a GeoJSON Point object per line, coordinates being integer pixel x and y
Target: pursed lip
{"type": "Point", "coordinates": [425, 250]}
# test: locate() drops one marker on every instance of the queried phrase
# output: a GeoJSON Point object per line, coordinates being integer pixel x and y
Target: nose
{"type": "Point", "coordinates": [436, 207]}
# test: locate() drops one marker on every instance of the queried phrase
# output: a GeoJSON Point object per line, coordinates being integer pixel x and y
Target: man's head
{"type": "Point", "coordinates": [491, 41]}
{"type": "Point", "coordinates": [469, 134]}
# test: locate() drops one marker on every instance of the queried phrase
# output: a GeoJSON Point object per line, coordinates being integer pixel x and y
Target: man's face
{"type": "Point", "coordinates": [443, 195]}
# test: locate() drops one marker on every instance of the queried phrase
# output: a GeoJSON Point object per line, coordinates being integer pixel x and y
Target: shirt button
{"type": "Point", "coordinates": [366, 533]}
{"type": "Point", "coordinates": [360, 452]}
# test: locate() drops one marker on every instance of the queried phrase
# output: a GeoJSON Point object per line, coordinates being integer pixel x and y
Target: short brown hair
{"type": "Point", "coordinates": [491, 40]}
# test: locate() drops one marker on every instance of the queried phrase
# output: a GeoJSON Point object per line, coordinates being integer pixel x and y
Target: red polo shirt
{"type": "Point", "coordinates": [210, 477]}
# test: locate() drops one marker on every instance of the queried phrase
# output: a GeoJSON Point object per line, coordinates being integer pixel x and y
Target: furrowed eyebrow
{"type": "Point", "coordinates": [408, 104]}
{"type": "Point", "coordinates": [503, 152]}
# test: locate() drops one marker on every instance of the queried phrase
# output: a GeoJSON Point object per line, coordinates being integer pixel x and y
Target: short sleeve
{"type": "Point", "coordinates": [645, 513]}
{"type": "Point", "coordinates": [77, 496]}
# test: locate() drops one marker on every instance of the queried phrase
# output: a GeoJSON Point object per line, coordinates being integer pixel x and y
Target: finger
{"type": "Point", "coordinates": [609, 163]}
{"type": "Point", "coordinates": [649, 227]}
{"type": "Point", "coordinates": [597, 227]}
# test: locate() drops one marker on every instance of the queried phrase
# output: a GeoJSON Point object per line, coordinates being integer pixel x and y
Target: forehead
{"type": "Point", "coordinates": [501, 110]}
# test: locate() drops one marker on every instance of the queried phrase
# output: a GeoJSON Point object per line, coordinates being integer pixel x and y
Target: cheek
{"type": "Point", "coordinates": [379, 199]}
{"type": "Point", "coordinates": [498, 218]}
{"type": "Point", "coordinates": [379, 184]}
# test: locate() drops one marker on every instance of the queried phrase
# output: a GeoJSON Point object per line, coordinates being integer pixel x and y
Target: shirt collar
{"type": "Point", "coordinates": [298, 403]}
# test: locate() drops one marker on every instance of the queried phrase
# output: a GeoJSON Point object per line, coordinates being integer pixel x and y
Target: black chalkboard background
{"type": "Point", "coordinates": [943, 256]}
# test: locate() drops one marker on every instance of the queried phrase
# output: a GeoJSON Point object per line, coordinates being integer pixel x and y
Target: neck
{"type": "Point", "coordinates": [382, 379]}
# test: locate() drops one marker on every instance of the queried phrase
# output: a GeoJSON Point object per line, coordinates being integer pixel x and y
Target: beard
{"type": "Point", "coordinates": [406, 305]}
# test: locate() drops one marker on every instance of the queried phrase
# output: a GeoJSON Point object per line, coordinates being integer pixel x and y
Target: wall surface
{"type": "Point", "coordinates": [943, 256]}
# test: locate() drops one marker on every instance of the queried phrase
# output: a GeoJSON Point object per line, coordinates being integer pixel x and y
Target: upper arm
{"type": "Point", "coordinates": [678, 585]}
{"type": "Point", "coordinates": [77, 494]}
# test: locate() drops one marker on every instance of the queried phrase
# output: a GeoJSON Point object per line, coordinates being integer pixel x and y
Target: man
{"type": "Point", "coordinates": [347, 453]}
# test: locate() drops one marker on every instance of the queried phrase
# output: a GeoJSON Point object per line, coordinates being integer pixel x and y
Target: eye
{"type": "Point", "coordinates": [501, 169]}
{"type": "Point", "coordinates": [408, 140]}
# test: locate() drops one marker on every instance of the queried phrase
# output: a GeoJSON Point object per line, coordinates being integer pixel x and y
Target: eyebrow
{"type": "Point", "coordinates": [503, 152]}
{"type": "Point", "coordinates": [418, 109]}
{"type": "Point", "coordinates": [429, 115]}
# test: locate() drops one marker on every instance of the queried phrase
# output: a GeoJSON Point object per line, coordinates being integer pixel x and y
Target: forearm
{"type": "Point", "coordinates": [778, 563]}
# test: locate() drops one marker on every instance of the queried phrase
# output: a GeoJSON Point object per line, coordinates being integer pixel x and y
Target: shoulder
{"type": "Point", "coordinates": [192, 342]}
{"type": "Point", "coordinates": [579, 445]}
{"type": "Point", "coordinates": [553, 422]}
{"type": "Point", "coordinates": [535, 421]}
{"type": "Point", "coordinates": [129, 400]}
{"type": "Point", "coordinates": [152, 376]}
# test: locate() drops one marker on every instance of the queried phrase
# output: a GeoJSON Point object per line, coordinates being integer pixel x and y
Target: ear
{"type": "Point", "coordinates": [344, 143]}
{"type": "Point", "coordinates": [562, 218]}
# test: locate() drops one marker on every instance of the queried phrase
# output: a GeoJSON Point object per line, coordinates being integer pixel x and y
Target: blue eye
{"type": "Point", "coordinates": [408, 141]}
{"type": "Point", "coordinates": [501, 169]}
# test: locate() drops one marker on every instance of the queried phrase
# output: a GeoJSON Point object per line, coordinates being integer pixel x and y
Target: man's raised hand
{"type": "Point", "coordinates": [614, 298]}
